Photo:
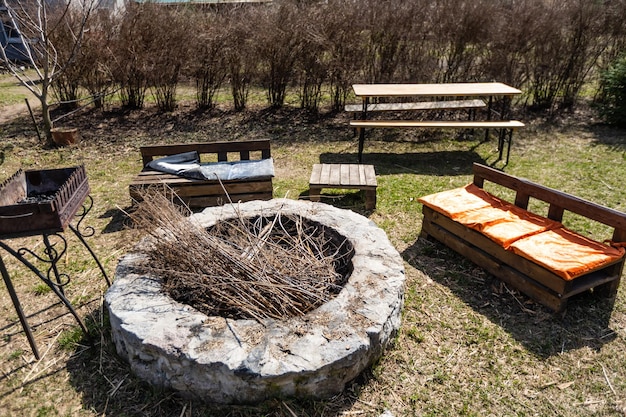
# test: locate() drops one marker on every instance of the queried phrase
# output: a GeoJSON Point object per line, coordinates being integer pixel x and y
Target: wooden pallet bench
{"type": "Point", "coordinates": [532, 253]}
{"type": "Point", "coordinates": [344, 176]}
{"type": "Point", "coordinates": [505, 127]}
{"type": "Point", "coordinates": [197, 193]}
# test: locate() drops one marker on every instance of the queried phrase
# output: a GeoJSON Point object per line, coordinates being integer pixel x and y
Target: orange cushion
{"type": "Point", "coordinates": [459, 200]}
{"type": "Point", "coordinates": [505, 224]}
{"type": "Point", "coordinates": [566, 253]}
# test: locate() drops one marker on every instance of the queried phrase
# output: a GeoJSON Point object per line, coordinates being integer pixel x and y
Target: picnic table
{"type": "Point", "coordinates": [443, 96]}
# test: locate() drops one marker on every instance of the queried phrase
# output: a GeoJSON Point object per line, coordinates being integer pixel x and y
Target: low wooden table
{"type": "Point", "coordinates": [344, 176]}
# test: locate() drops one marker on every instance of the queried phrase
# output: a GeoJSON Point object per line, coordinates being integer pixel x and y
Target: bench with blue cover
{"type": "Point", "coordinates": [208, 173]}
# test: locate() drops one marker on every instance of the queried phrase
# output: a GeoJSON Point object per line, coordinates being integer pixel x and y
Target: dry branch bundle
{"type": "Point", "coordinates": [261, 267]}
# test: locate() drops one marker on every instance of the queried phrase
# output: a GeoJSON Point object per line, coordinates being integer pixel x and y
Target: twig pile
{"type": "Point", "coordinates": [243, 268]}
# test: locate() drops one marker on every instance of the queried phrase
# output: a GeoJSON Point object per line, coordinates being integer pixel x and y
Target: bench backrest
{"type": "Point", "coordinates": [221, 149]}
{"type": "Point", "coordinates": [558, 201]}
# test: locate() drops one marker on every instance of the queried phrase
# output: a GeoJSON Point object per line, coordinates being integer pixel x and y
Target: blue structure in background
{"type": "Point", "coordinates": [10, 39]}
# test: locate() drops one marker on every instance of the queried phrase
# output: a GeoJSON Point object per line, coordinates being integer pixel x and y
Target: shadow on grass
{"type": "Point", "coordinates": [441, 163]}
{"type": "Point", "coordinates": [119, 219]}
{"type": "Point", "coordinates": [613, 137]}
{"type": "Point", "coordinates": [345, 199]}
{"type": "Point", "coordinates": [585, 323]}
{"type": "Point", "coordinates": [109, 388]}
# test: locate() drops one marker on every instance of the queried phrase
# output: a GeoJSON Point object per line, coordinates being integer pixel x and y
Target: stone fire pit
{"type": "Point", "coordinates": [173, 346]}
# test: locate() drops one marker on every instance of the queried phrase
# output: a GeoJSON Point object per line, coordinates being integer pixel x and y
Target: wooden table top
{"type": "Point", "coordinates": [426, 90]}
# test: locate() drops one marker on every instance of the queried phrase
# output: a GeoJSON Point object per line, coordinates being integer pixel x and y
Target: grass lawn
{"type": "Point", "coordinates": [468, 344]}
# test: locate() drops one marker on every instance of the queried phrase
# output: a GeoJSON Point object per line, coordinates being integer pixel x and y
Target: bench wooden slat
{"type": "Point", "coordinates": [316, 174]}
{"type": "Point", "coordinates": [500, 124]}
{"type": "Point", "coordinates": [370, 178]}
{"type": "Point", "coordinates": [358, 175]}
{"type": "Point", "coordinates": [419, 105]}
{"type": "Point", "coordinates": [215, 200]}
{"type": "Point", "coordinates": [347, 175]}
{"type": "Point", "coordinates": [207, 188]}
{"type": "Point", "coordinates": [335, 176]}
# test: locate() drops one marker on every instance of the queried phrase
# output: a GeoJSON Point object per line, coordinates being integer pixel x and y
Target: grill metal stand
{"type": "Point", "coordinates": [72, 200]}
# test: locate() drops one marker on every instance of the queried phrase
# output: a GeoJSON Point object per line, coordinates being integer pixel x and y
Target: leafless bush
{"type": "Point", "coordinates": [66, 85]}
{"type": "Point", "coordinates": [510, 43]}
{"type": "Point", "coordinates": [207, 64]}
{"type": "Point", "coordinates": [239, 52]}
{"type": "Point", "coordinates": [418, 63]}
{"type": "Point", "coordinates": [97, 56]}
{"type": "Point", "coordinates": [130, 66]}
{"type": "Point", "coordinates": [312, 60]}
{"type": "Point", "coordinates": [256, 268]}
{"type": "Point", "coordinates": [460, 29]}
{"type": "Point", "coordinates": [388, 27]}
{"type": "Point", "coordinates": [570, 46]}
{"type": "Point", "coordinates": [166, 51]}
{"type": "Point", "coordinates": [277, 45]}
{"type": "Point", "coordinates": [345, 48]}
{"type": "Point", "coordinates": [150, 56]}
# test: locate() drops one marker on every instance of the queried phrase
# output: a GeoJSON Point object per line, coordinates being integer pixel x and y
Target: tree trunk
{"type": "Point", "coordinates": [47, 122]}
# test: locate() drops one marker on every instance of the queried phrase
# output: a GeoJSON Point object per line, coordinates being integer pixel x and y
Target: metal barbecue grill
{"type": "Point", "coordinates": [44, 202]}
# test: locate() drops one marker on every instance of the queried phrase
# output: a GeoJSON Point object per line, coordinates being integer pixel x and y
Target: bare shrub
{"type": "Point", "coordinates": [277, 45]}
{"type": "Point", "coordinates": [417, 63]}
{"type": "Point", "coordinates": [346, 49]}
{"type": "Point", "coordinates": [97, 56]}
{"type": "Point", "coordinates": [312, 60]}
{"type": "Point", "coordinates": [257, 268]}
{"type": "Point", "coordinates": [614, 33]}
{"type": "Point", "coordinates": [504, 58]}
{"type": "Point", "coordinates": [239, 52]}
{"type": "Point", "coordinates": [570, 45]}
{"type": "Point", "coordinates": [460, 30]}
{"type": "Point", "coordinates": [63, 36]}
{"type": "Point", "coordinates": [130, 66]}
{"type": "Point", "coordinates": [166, 51]}
{"type": "Point", "coordinates": [388, 27]}
{"type": "Point", "coordinates": [207, 64]}
{"type": "Point", "coordinates": [148, 56]}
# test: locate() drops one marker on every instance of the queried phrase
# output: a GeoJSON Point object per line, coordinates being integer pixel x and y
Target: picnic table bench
{"type": "Point", "coordinates": [197, 193]}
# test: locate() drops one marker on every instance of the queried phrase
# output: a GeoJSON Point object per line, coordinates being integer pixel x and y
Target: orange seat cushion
{"type": "Point", "coordinates": [538, 239]}
{"type": "Point", "coordinates": [506, 223]}
{"type": "Point", "coordinates": [566, 253]}
{"type": "Point", "coordinates": [459, 200]}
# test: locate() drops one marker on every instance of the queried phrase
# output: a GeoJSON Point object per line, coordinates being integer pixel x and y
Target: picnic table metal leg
{"type": "Point", "coordinates": [362, 130]}
{"type": "Point", "coordinates": [508, 150]}
{"type": "Point", "coordinates": [505, 135]}
{"type": "Point", "coordinates": [489, 105]}
{"type": "Point", "coordinates": [361, 143]}
{"type": "Point", "coordinates": [501, 139]}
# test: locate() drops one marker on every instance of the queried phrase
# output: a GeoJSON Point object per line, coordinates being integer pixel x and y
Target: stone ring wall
{"type": "Point", "coordinates": [173, 346]}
